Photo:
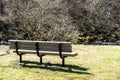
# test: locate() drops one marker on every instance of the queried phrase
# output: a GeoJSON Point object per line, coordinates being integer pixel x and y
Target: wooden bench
{"type": "Point", "coordinates": [42, 48]}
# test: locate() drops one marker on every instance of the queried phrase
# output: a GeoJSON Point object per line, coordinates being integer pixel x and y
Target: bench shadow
{"type": "Point", "coordinates": [57, 67]}
{"type": "Point", "coordinates": [3, 54]}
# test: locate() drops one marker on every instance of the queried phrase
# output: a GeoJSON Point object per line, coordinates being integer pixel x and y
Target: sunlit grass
{"type": "Point", "coordinates": [92, 63]}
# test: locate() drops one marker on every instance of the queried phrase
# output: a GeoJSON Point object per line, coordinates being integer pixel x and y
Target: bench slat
{"type": "Point", "coordinates": [30, 41]}
{"type": "Point", "coordinates": [47, 49]}
{"type": "Point", "coordinates": [48, 52]}
{"type": "Point", "coordinates": [41, 44]}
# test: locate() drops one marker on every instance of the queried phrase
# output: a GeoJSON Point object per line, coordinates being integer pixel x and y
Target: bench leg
{"type": "Point", "coordinates": [63, 61]}
{"type": "Point", "coordinates": [20, 58]}
{"type": "Point", "coordinates": [40, 59]}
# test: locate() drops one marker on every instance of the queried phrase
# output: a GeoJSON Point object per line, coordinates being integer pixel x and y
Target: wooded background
{"type": "Point", "coordinates": [78, 21]}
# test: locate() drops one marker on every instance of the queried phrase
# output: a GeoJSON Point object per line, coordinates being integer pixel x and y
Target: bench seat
{"type": "Point", "coordinates": [46, 52]}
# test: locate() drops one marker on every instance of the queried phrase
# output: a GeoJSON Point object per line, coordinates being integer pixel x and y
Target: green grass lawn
{"type": "Point", "coordinates": [92, 63]}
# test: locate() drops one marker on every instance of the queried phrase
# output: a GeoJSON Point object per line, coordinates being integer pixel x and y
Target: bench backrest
{"type": "Point", "coordinates": [43, 45]}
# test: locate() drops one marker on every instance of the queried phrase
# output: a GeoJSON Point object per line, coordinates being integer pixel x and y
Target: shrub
{"type": "Point", "coordinates": [35, 21]}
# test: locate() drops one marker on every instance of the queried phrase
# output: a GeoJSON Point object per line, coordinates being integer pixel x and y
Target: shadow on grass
{"type": "Point", "coordinates": [3, 54]}
{"type": "Point", "coordinates": [57, 67]}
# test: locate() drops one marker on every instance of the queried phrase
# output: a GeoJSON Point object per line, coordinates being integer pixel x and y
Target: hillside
{"type": "Point", "coordinates": [79, 21]}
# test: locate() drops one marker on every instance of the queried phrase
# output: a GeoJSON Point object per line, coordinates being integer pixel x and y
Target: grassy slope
{"type": "Point", "coordinates": [92, 63]}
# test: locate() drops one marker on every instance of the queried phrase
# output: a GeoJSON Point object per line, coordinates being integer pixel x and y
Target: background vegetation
{"type": "Point", "coordinates": [79, 21]}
